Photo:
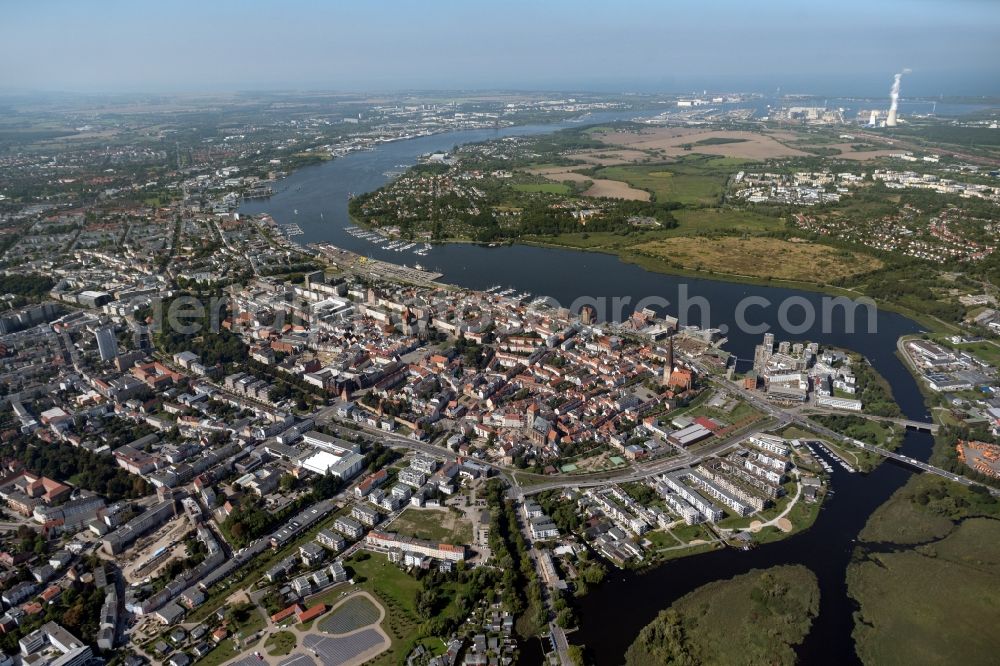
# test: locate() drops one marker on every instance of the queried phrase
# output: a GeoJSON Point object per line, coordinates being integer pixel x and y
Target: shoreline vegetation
{"type": "Point", "coordinates": [766, 614]}
{"type": "Point", "coordinates": [942, 536]}
{"type": "Point", "coordinates": [929, 322]}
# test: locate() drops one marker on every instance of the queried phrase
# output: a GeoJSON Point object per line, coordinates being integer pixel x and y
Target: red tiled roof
{"type": "Point", "coordinates": [294, 609]}
{"type": "Point", "coordinates": [311, 613]}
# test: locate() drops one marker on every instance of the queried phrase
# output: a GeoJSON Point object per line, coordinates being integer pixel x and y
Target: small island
{"type": "Point", "coordinates": [766, 613]}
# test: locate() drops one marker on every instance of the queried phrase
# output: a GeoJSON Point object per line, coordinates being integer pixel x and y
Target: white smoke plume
{"type": "Point", "coordinates": [894, 93]}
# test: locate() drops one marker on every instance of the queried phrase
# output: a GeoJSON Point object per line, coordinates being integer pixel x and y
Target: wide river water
{"type": "Point", "coordinates": [316, 198]}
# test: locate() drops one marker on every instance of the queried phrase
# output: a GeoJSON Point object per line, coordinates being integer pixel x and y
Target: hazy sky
{"type": "Point", "coordinates": [952, 46]}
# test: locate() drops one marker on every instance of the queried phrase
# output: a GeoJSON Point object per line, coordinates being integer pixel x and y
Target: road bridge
{"type": "Point", "coordinates": [911, 424]}
{"type": "Point", "coordinates": [803, 420]}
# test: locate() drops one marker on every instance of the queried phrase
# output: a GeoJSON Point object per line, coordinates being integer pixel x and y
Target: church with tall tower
{"type": "Point", "coordinates": [668, 369]}
{"type": "Point", "coordinates": [674, 377]}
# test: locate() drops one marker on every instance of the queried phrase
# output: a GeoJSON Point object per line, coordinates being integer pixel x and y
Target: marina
{"type": "Point", "coordinates": [394, 245]}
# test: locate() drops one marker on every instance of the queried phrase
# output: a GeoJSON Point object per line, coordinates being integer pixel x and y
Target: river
{"type": "Point", "coordinates": [316, 197]}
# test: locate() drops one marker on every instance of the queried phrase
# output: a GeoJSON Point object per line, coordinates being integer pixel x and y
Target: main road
{"type": "Point", "coordinates": [779, 417]}
{"type": "Point", "coordinates": [796, 417]}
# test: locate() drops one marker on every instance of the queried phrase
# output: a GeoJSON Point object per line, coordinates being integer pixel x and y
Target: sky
{"type": "Point", "coordinates": [807, 46]}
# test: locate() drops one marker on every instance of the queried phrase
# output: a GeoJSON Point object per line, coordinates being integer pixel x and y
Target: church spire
{"type": "Point", "coordinates": [668, 369]}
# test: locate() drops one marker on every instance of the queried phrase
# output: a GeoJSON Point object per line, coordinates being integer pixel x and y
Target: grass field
{"type": "Point", "coordinates": [759, 257]}
{"type": "Point", "coordinates": [547, 188]}
{"type": "Point", "coordinates": [765, 613]}
{"type": "Point", "coordinates": [280, 643]}
{"type": "Point", "coordinates": [901, 521]}
{"type": "Point", "coordinates": [440, 525]}
{"type": "Point", "coordinates": [987, 351]}
{"type": "Point", "coordinates": [661, 539]}
{"type": "Point", "coordinates": [925, 509]}
{"type": "Point", "coordinates": [659, 557]}
{"type": "Point", "coordinates": [691, 222]}
{"type": "Point", "coordinates": [721, 220]}
{"type": "Point", "coordinates": [689, 533]}
{"type": "Point", "coordinates": [936, 602]}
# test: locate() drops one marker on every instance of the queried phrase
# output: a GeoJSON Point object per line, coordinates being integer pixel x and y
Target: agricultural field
{"type": "Point", "coordinates": [674, 141]}
{"type": "Point", "coordinates": [755, 257]}
{"type": "Point", "coordinates": [666, 184]}
{"type": "Point", "coordinates": [597, 187]}
{"type": "Point", "coordinates": [547, 188]}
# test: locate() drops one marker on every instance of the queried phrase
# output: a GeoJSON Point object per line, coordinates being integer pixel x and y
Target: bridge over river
{"type": "Point", "coordinates": [924, 426]}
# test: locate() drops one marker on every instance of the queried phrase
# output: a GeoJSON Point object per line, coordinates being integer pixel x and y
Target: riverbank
{"type": "Point", "coordinates": [930, 323]}
{"type": "Point", "coordinates": [944, 537]}
{"type": "Point", "coordinates": [764, 613]}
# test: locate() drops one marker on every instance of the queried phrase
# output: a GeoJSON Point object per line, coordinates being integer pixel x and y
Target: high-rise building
{"type": "Point", "coordinates": [107, 345]}
{"type": "Point", "coordinates": [763, 352]}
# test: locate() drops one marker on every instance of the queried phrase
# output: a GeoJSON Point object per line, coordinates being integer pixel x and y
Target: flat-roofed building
{"type": "Point", "coordinates": [386, 541]}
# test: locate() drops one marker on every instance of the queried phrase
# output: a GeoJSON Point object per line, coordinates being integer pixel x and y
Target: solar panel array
{"type": "Point", "coordinates": [353, 614]}
{"type": "Point", "coordinates": [333, 651]}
